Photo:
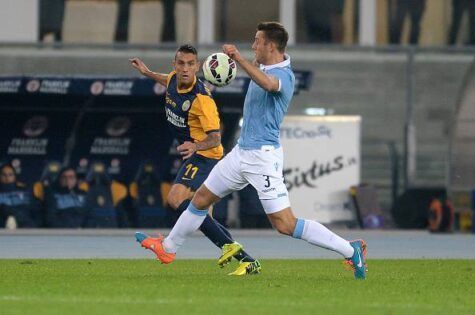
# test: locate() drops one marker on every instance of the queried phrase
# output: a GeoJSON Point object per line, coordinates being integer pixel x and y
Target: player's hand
{"type": "Point", "coordinates": [186, 149]}
{"type": "Point", "coordinates": [232, 52]}
{"type": "Point", "coordinates": [139, 65]}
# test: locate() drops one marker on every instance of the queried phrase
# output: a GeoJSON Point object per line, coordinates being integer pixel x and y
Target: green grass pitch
{"type": "Point", "coordinates": [200, 287]}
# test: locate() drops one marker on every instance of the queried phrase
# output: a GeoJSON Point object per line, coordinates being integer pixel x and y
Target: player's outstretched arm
{"type": "Point", "coordinates": [267, 82]}
{"type": "Point", "coordinates": [144, 70]}
{"type": "Point", "coordinates": [188, 148]}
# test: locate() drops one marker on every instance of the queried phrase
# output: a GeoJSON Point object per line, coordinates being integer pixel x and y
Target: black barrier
{"type": "Point", "coordinates": [30, 139]}
{"type": "Point", "coordinates": [411, 210]}
{"type": "Point", "coordinates": [121, 141]}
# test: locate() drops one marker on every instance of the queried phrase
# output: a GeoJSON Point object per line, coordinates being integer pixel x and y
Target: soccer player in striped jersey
{"type": "Point", "coordinates": [193, 118]}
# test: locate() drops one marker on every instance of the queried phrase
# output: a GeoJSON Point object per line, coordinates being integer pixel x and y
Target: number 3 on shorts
{"type": "Point", "coordinates": [267, 179]}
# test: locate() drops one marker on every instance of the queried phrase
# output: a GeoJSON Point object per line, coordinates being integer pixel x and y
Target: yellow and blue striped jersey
{"type": "Point", "coordinates": [192, 114]}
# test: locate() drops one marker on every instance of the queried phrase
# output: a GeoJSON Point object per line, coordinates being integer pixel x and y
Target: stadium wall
{"type": "Point", "coordinates": [347, 81]}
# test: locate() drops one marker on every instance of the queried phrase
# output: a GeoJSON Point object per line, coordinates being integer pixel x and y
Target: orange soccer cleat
{"type": "Point", "coordinates": [155, 245]}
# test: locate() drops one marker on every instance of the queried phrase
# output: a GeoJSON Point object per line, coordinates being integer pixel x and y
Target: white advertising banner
{"type": "Point", "coordinates": [321, 162]}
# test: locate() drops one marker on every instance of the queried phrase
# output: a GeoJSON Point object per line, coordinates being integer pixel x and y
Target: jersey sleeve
{"type": "Point", "coordinates": [169, 77]}
{"type": "Point", "coordinates": [205, 108]}
{"type": "Point", "coordinates": [286, 82]}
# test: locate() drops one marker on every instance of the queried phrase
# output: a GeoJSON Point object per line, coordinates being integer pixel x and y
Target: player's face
{"type": "Point", "coordinates": [261, 47]}
{"type": "Point", "coordinates": [186, 66]}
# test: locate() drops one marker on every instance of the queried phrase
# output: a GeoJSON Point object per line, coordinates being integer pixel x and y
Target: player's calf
{"type": "Point", "coordinates": [283, 221]}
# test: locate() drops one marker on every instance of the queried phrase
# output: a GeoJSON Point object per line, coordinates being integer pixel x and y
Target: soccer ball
{"type": "Point", "coordinates": [219, 69]}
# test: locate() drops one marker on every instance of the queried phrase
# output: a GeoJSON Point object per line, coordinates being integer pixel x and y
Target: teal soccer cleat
{"type": "Point", "coordinates": [357, 262]}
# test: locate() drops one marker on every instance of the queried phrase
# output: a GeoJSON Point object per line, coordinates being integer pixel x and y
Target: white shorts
{"type": "Point", "coordinates": [260, 168]}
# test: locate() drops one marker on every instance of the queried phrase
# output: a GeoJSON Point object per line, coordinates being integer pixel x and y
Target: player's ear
{"type": "Point", "coordinates": [272, 46]}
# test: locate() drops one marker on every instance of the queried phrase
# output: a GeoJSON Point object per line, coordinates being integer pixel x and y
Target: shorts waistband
{"type": "Point", "coordinates": [265, 148]}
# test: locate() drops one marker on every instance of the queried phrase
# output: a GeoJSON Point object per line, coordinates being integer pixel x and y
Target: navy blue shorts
{"type": "Point", "coordinates": [194, 171]}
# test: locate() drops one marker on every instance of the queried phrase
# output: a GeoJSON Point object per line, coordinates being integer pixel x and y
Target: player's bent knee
{"type": "Point", "coordinates": [173, 201]}
{"type": "Point", "coordinates": [201, 200]}
{"type": "Point", "coordinates": [178, 193]}
{"type": "Point", "coordinates": [204, 198]}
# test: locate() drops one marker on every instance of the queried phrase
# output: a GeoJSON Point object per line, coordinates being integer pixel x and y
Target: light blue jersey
{"type": "Point", "coordinates": [264, 111]}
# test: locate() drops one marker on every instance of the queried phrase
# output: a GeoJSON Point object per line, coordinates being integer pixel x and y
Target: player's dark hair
{"type": "Point", "coordinates": [276, 33]}
{"type": "Point", "coordinates": [187, 49]}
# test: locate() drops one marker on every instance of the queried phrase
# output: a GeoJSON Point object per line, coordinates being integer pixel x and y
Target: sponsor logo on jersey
{"type": "Point", "coordinates": [169, 101]}
{"type": "Point", "coordinates": [268, 189]}
{"type": "Point", "coordinates": [174, 119]}
{"type": "Point", "coordinates": [186, 105]}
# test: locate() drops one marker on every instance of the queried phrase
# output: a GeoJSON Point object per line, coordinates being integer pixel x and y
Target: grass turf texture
{"type": "Point", "coordinates": [200, 287]}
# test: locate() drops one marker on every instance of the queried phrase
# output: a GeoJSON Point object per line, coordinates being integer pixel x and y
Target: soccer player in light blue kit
{"type": "Point", "coordinates": [257, 159]}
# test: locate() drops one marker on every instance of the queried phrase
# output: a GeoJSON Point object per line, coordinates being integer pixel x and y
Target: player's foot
{"type": "Point", "coordinates": [155, 245]}
{"type": "Point", "coordinates": [247, 268]}
{"type": "Point", "coordinates": [229, 250]}
{"type": "Point", "coordinates": [357, 262]}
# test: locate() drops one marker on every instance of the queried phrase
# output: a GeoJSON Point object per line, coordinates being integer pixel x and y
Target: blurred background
{"type": "Point", "coordinates": [68, 98]}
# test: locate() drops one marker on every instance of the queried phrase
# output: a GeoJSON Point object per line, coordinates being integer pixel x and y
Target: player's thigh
{"type": "Point", "coordinates": [267, 185]}
{"type": "Point", "coordinates": [274, 198]}
{"type": "Point", "coordinates": [264, 172]}
{"type": "Point", "coordinates": [226, 176]}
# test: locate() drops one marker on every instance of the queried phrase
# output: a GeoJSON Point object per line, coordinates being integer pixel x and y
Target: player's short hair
{"type": "Point", "coordinates": [276, 33]}
{"type": "Point", "coordinates": [187, 49]}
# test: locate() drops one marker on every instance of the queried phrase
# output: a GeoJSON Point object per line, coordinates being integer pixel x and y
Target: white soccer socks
{"type": "Point", "coordinates": [317, 234]}
{"type": "Point", "coordinates": [188, 222]}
